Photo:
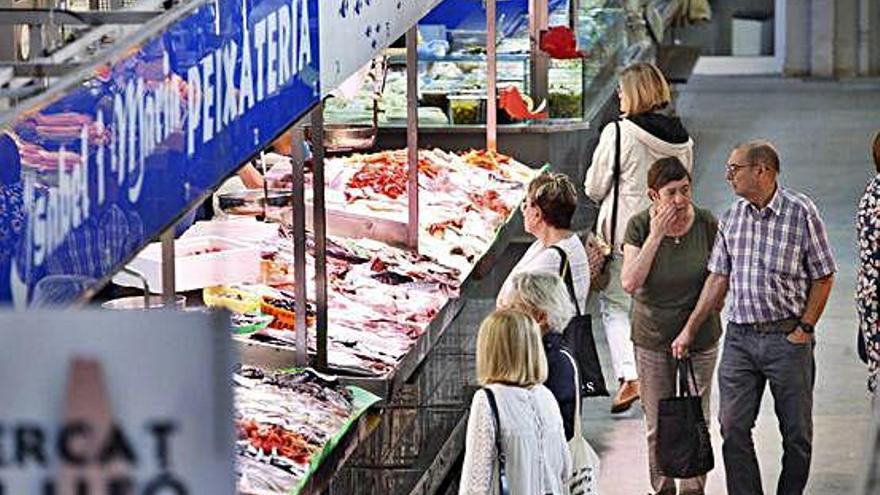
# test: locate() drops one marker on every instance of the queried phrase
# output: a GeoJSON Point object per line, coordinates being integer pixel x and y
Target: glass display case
{"type": "Point", "coordinates": [452, 68]}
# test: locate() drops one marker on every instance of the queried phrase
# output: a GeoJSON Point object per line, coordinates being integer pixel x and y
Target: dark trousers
{"type": "Point", "coordinates": [872, 473]}
{"type": "Point", "coordinates": [752, 357]}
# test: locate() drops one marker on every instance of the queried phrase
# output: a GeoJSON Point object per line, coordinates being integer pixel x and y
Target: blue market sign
{"type": "Point", "coordinates": [90, 176]}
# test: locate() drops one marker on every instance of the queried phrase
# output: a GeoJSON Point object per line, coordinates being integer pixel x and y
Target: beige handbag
{"type": "Point", "coordinates": [584, 460]}
{"type": "Point", "coordinates": [598, 257]}
{"type": "Point", "coordinates": [692, 12]}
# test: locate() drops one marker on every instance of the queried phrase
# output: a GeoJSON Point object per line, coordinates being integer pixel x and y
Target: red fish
{"type": "Point", "coordinates": [513, 102]}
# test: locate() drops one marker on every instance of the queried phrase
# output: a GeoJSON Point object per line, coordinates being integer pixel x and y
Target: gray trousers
{"type": "Point", "coordinates": [751, 359]}
{"type": "Point", "coordinates": [657, 381]}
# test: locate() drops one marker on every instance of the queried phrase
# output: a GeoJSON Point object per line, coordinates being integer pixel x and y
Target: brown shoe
{"type": "Point", "coordinates": [627, 393]}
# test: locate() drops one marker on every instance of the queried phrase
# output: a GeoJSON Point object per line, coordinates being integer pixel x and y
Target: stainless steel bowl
{"type": "Point", "coordinates": [251, 202]}
{"type": "Point", "coordinates": [340, 138]}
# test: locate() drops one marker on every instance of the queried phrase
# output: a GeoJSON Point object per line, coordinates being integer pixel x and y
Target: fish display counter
{"type": "Point", "coordinates": [294, 429]}
{"type": "Point", "coordinates": [387, 305]}
{"type": "Point", "coordinates": [388, 308]}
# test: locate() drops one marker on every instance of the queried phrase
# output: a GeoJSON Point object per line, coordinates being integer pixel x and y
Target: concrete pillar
{"type": "Point", "coordinates": [822, 22]}
{"type": "Point", "coordinates": [873, 37]}
{"type": "Point", "coordinates": [846, 38]}
{"type": "Point", "coordinates": [796, 61]}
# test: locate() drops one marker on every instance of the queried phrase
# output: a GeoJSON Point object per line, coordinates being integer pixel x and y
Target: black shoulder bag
{"type": "Point", "coordinates": [503, 488]}
{"type": "Point", "coordinates": [578, 338]}
{"type": "Point", "coordinates": [684, 447]}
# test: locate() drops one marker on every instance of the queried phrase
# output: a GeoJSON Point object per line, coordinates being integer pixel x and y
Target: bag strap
{"type": "Point", "coordinates": [502, 458]}
{"type": "Point", "coordinates": [686, 378]}
{"type": "Point", "coordinates": [577, 395]}
{"type": "Point", "coordinates": [565, 273]}
{"type": "Point", "coordinates": [616, 182]}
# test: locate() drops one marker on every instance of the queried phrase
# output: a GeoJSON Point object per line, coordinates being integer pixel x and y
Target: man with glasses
{"type": "Point", "coordinates": [772, 253]}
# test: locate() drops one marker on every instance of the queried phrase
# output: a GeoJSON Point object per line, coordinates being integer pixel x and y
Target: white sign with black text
{"type": "Point", "coordinates": [115, 403]}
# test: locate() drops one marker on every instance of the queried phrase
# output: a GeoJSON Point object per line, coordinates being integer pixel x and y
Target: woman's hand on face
{"type": "Point", "coordinates": [662, 218]}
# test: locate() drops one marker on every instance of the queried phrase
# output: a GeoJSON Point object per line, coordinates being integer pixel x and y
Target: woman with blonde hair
{"type": "Point", "coordinates": [542, 296]}
{"type": "Point", "coordinates": [511, 368]}
{"type": "Point", "coordinates": [616, 180]}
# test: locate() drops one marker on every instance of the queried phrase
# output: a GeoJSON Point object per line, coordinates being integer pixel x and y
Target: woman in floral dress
{"type": "Point", "coordinates": [868, 287]}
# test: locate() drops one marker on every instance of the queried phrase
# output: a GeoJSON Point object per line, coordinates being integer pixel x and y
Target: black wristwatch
{"type": "Point", "coordinates": [806, 327]}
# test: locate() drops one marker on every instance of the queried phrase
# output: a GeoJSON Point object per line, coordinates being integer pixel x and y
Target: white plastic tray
{"type": "Point", "coordinates": [199, 262]}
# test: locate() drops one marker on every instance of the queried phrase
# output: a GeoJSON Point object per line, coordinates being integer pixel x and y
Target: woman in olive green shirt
{"type": "Point", "coordinates": [665, 253]}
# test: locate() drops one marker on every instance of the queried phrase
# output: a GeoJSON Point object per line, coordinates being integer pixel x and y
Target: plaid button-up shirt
{"type": "Point", "coordinates": [771, 256]}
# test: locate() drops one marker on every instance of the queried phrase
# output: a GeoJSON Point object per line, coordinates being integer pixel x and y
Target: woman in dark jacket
{"type": "Point", "coordinates": [542, 295]}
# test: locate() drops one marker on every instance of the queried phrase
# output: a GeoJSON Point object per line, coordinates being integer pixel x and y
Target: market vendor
{"type": "Point", "coordinates": [248, 176]}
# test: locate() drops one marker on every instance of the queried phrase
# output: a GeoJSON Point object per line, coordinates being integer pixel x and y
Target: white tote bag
{"type": "Point", "coordinates": [585, 460]}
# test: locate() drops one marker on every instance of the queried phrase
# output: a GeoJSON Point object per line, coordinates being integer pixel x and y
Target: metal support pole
{"type": "Point", "coordinates": [299, 247]}
{"type": "Point", "coordinates": [40, 68]}
{"type": "Point", "coordinates": [319, 227]}
{"type": "Point", "coordinates": [412, 136]}
{"type": "Point", "coordinates": [540, 64]}
{"type": "Point", "coordinates": [168, 288]}
{"type": "Point", "coordinates": [44, 16]}
{"type": "Point", "coordinates": [574, 8]}
{"type": "Point", "coordinates": [491, 79]}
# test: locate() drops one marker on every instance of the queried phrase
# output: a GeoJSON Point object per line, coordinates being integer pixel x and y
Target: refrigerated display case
{"type": "Point", "coordinates": [452, 83]}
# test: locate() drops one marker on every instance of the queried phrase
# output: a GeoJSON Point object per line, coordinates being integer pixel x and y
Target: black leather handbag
{"type": "Point", "coordinates": [684, 448]}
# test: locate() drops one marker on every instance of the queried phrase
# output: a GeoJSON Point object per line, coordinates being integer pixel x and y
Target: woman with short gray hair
{"type": "Point", "coordinates": [542, 295]}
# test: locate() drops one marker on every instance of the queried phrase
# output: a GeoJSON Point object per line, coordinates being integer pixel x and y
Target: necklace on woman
{"type": "Point", "coordinates": [676, 238]}
{"type": "Point", "coordinates": [685, 228]}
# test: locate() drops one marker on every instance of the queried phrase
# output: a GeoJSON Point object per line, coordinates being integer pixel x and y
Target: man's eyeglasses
{"type": "Point", "coordinates": [733, 168]}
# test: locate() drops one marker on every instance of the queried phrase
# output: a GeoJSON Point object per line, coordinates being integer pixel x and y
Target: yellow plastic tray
{"type": "Point", "coordinates": [232, 299]}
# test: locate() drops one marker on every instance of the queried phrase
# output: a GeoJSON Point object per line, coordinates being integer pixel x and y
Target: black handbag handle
{"type": "Point", "coordinates": [686, 378]}
{"type": "Point", "coordinates": [502, 458]}
{"type": "Point", "coordinates": [565, 273]}
{"type": "Point", "coordinates": [616, 179]}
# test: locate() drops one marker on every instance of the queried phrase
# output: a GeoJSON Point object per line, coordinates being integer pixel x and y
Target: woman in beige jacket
{"type": "Point", "coordinates": [646, 135]}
